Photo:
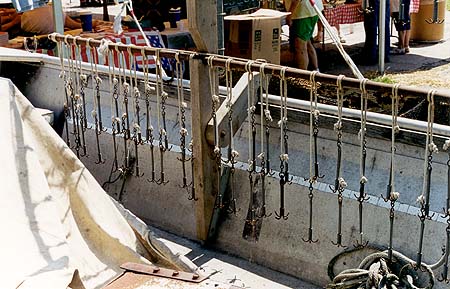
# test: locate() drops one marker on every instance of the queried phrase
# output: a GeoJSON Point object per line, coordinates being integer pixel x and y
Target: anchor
{"type": "Point", "coordinates": [339, 183]}
{"type": "Point", "coordinates": [435, 19]}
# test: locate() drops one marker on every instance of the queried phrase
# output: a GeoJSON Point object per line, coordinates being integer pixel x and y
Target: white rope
{"type": "Point", "coordinates": [250, 111]}
{"type": "Point", "coordinates": [362, 132]}
{"type": "Point", "coordinates": [339, 102]}
{"type": "Point", "coordinates": [261, 94]}
{"type": "Point", "coordinates": [229, 85]}
{"type": "Point", "coordinates": [395, 129]}
{"type": "Point", "coordinates": [215, 101]}
{"type": "Point", "coordinates": [430, 147]}
{"type": "Point", "coordinates": [312, 112]}
{"type": "Point", "coordinates": [158, 90]}
{"type": "Point", "coordinates": [283, 113]}
{"type": "Point", "coordinates": [147, 87]}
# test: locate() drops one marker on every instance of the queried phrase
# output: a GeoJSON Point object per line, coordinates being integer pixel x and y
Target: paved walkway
{"type": "Point", "coordinates": [423, 56]}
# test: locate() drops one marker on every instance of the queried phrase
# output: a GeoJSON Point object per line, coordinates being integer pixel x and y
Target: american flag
{"type": "Point", "coordinates": [123, 59]}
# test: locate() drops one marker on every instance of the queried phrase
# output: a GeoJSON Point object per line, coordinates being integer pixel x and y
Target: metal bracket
{"type": "Point", "coordinates": [163, 272]}
{"type": "Point", "coordinates": [239, 106]}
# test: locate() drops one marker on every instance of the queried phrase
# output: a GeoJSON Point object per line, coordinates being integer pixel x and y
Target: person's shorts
{"type": "Point", "coordinates": [405, 23]}
{"type": "Point", "coordinates": [303, 28]}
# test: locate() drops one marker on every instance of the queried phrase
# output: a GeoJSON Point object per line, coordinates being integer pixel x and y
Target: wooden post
{"type": "Point", "coordinates": [202, 15]}
{"type": "Point", "coordinates": [58, 16]}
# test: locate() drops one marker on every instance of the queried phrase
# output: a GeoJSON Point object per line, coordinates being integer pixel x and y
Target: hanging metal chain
{"type": "Point", "coordinates": [252, 216]}
{"type": "Point", "coordinates": [446, 214]}
{"type": "Point", "coordinates": [313, 168]}
{"type": "Point", "coordinates": [73, 99]}
{"type": "Point", "coordinates": [82, 84]}
{"type": "Point", "coordinates": [424, 198]}
{"type": "Point", "coordinates": [264, 156]}
{"type": "Point", "coordinates": [265, 110]}
{"type": "Point", "coordinates": [161, 97]}
{"type": "Point", "coordinates": [391, 195]}
{"type": "Point", "coordinates": [339, 183]}
{"type": "Point", "coordinates": [362, 170]}
{"type": "Point", "coordinates": [217, 153]}
{"type": "Point", "coordinates": [233, 153]}
{"type": "Point", "coordinates": [137, 133]}
{"type": "Point", "coordinates": [182, 121]}
{"type": "Point", "coordinates": [115, 120]}
{"type": "Point", "coordinates": [284, 156]}
{"type": "Point", "coordinates": [63, 76]}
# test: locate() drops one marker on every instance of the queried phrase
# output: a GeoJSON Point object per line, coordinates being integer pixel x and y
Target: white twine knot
{"type": "Point", "coordinates": [115, 81]}
{"type": "Point", "coordinates": [102, 50]}
{"type": "Point", "coordinates": [338, 125]}
{"type": "Point", "coordinates": [137, 127]}
{"type": "Point", "coordinates": [396, 129]}
{"type": "Point", "coordinates": [363, 180]}
{"type": "Point", "coordinates": [234, 153]}
{"type": "Point", "coordinates": [77, 97]}
{"type": "Point", "coordinates": [394, 196]}
{"type": "Point", "coordinates": [316, 113]}
{"type": "Point", "coordinates": [163, 131]}
{"type": "Point", "coordinates": [284, 157]}
{"type": "Point", "coordinates": [282, 121]}
{"type": "Point", "coordinates": [421, 200]}
{"type": "Point", "coordinates": [126, 87]}
{"type": "Point", "coordinates": [164, 94]}
{"type": "Point", "coordinates": [446, 145]}
{"type": "Point", "coordinates": [342, 183]}
{"type": "Point", "coordinates": [83, 77]}
{"type": "Point", "coordinates": [191, 145]}
{"type": "Point", "coordinates": [267, 115]}
{"type": "Point", "coordinates": [251, 109]}
{"type": "Point", "coordinates": [94, 113]}
{"type": "Point", "coordinates": [183, 131]}
{"type": "Point", "coordinates": [124, 115]}
{"type": "Point", "coordinates": [184, 104]}
{"type": "Point", "coordinates": [216, 150]}
{"type": "Point", "coordinates": [148, 87]}
{"type": "Point", "coordinates": [98, 79]}
{"type": "Point", "coordinates": [62, 74]}
{"type": "Point", "coordinates": [151, 128]}
{"type": "Point", "coordinates": [215, 99]}
{"type": "Point", "coordinates": [261, 156]}
{"type": "Point", "coordinates": [432, 147]}
{"type": "Point", "coordinates": [360, 133]}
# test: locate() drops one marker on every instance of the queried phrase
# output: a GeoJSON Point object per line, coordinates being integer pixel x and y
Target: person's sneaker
{"type": "Point", "coordinates": [398, 51]}
{"type": "Point", "coordinates": [407, 49]}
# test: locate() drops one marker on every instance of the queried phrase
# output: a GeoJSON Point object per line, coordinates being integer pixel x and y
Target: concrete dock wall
{"type": "Point", "coordinates": [280, 245]}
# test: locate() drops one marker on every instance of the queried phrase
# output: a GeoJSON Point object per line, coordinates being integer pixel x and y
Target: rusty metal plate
{"type": "Point", "coordinates": [163, 272]}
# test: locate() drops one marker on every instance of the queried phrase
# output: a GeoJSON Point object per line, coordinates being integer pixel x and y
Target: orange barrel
{"type": "Point", "coordinates": [421, 30]}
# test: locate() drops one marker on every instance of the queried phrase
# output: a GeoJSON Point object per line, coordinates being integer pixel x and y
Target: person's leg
{"type": "Point", "coordinates": [301, 53]}
{"type": "Point", "coordinates": [407, 38]}
{"type": "Point", "coordinates": [369, 55]}
{"type": "Point", "coordinates": [312, 56]}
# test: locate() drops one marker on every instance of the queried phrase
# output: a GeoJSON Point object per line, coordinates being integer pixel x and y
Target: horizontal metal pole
{"type": "Point", "coordinates": [252, 65]}
{"type": "Point", "coordinates": [372, 117]}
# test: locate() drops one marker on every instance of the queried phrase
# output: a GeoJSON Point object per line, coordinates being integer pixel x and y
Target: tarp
{"type": "Point", "coordinates": [59, 229]}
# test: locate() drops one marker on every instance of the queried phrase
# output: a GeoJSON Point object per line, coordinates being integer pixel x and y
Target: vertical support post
{"type": "Point", "coordinates": [382, 35]}
{"type": "Point", "coordinates": [58, 16]}
{"type": "Point", "coordinates": [202, 15]}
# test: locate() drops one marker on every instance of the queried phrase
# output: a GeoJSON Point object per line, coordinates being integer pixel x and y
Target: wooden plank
{"type": "Point", "coordinates": [202, 16]}
{"type": "Point", "coordinates": [239, 103]}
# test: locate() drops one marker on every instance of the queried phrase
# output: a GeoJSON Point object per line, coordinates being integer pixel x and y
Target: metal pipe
{"type": "Point", "coordinates": [240, 64]}
{"type": "Point", "coordinates": [381, 35]}
{"type": "Point", "coordinates": [373, 117]}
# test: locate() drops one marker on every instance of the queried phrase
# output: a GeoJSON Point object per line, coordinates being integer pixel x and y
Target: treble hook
{"type": "Point", "coordinates": [435, 19]}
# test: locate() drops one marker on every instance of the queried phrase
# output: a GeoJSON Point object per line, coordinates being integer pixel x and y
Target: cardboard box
{"type": "Point", "coordinates": [254, 36]}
